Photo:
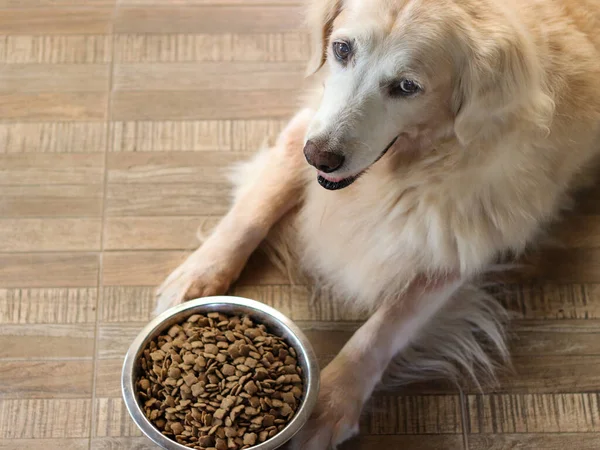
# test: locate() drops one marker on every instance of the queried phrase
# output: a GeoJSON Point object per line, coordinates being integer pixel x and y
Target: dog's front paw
{"type": "Point", "coordinates": [203, 274]}
{"type": "Point", "coordinates": [336, 417]}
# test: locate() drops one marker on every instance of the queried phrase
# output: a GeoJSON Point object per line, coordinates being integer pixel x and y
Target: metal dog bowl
{"type": "Point", "coordinates": [277, 324]}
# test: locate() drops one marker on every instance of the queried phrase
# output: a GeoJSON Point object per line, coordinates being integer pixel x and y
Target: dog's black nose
{"type": "Point", "coordinates": [324, 161]}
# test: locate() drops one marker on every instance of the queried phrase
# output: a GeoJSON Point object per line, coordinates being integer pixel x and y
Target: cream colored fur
{"type": "Point", "coordinates": [506, 127]}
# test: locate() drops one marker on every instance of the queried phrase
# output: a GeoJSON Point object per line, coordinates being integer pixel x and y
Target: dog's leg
{"type": "Point", "coordinates": [349, 380]}
{"type": "Point", "coordinates": [271, 190]}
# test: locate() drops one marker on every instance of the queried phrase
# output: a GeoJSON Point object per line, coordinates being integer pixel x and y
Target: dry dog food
{"type": "Point", "coordinates": [218, 382]}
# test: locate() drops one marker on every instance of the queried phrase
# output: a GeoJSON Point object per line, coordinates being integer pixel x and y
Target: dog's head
{"type": "Point", "coordinates": [404, 74]}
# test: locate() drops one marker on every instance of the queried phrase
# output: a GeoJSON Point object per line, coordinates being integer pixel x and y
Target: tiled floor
{"type": "Point", "coordinates": [115, 122]}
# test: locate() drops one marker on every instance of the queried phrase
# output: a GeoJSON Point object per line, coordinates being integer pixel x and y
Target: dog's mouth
{"type": "Point", "coordinates": [333, 184]}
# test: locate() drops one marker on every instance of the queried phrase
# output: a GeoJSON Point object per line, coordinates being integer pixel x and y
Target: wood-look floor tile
{"type": "Point", "coordinates": [108, 377]}
{"type": "Point", "coordinates": [579, 231]}
{"type": "Point", "coordinates": [172, 48]}
{"type": "Point", "coordinates": [81, 49]}
{"type": "Point", "coordinates": [297, 301]}
{"type": "Point", "coordinates": [162, 136]}
{"type": "Point", "coordinates": [54, 78]}
{"type": "Point", "coordinates": [260, 271]}
{"type": "Point", "coordinates": [541, 441]}
{"type": "Point", "coordinates": [533, 413]}
{"type": "Point", "coordinates": [139, 268]}
{"type": "Point", "coordinates": [232, 76]}
{"type": "Point", "coordinates": [115, 339]}
{"type": "Point", "coordinates": [170, 167]}
{"type": "Point", "coordinates": [251, 135]}
{"type": "Point", "coordinates": [555, 337]}
{"type": "Point", "coordinates": [193, 105]}
{"type": "Point", "coordinates": [123, 443]}
{"type": "Point", "coordinates": [578, 265]}
{"type": "Point", "coordinates": [551, 300]}
{"type": "Point", "coordinates": [149, 268]}
{"type": "Point", "coordinates": [208, 19]}
{"type": "Point", "coordinates": [142, 199]}
{"type": "Point", "coordinates": [33, 168]}
{"type": "Point", "coordinates": [46, 444]}
{"type": "Point", "coordinates": [53, 137]}
{"type": "Point", "coordinates": [156, 233]}
{"type": "Point", "coordinates": [428, 414]}
{"type": "Point", "coordinates": [54, 3]}
{"type": "Point", "coordinates": [48, 270]}
{"type": "Point", "coordinates": [549, 374]}
{"type": "Point", "coordinates": [412, 442]}
{"type": "Point", "coordinates": [45, 418]}
{"type": "Point", "coordinates": [48, 306]}
{"type": "Point", "coordinates": [126, 303]}
{"type": "Point", "coordinates": [56, 106]}
{"type": "Point", "coordinates": [52, 20]}
{"type": "Point", "coordinates": [113, 420]}
{"type": "Point", "coordinates": [51, 201]}
{"type": "Point", "coordinates": [178, 3]}
{"type": "Point", "coordinates": [46, 341]}
{"type": "Point", "coordinates": [46, 379]}
{"type": "Point", "coordinates": [42, 235]}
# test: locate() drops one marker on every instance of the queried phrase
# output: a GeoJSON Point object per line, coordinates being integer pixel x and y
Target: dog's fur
{"type": "Point", "coordinates": [506, 126]}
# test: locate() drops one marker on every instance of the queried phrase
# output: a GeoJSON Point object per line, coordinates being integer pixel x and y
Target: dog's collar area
{"type": "Point", "coordinates": [341, 184]}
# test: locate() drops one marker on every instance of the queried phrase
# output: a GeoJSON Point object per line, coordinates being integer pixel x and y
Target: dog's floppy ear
{"type": "Point", "coordinates": [321, 14]}
{"type": "Point", "coordinates": [500, 80]}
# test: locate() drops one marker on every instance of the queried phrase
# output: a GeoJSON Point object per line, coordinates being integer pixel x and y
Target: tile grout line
{"type": "Point", "coordinates": [100, 293]}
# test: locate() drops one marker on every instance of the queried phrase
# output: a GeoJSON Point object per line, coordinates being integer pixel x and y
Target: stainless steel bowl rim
{"type": "Point", "coordinates": [300, 342]}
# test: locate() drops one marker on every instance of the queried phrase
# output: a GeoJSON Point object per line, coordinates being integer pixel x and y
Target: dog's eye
{"type": "Point", "coordinates": [403, 88]}
{"type": "Point", "coordinates": [341, 50]}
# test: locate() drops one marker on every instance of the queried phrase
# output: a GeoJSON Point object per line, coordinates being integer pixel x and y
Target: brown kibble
{"type": "Point", "coordinates": [243, 368]}
{"type": "Point", "coordinates": [228, 402]}
{"type": "Point", "coordinates": [158, 355]}
{"type": "Point", "coordinates": [250, 438]}
{"type": "Point", "coordinates": [252, 333]}
{"type": "Point", "coordinates": [174, 372]}
{"type": "Point", "coordinates": [251, 388]}
{"type": "Point", "coordinates": [251, 362]}
{"type": "Point", "coordinates": [286, 410]}
{"type": "Point", "coordinates": [219, 383]}
{"type": "Point", "coordinates": [220, 413]}
{"type": "Point", "coordinates": [228, 370]}
{"type": "Point", "coordinates": [234, 351]}
{"type": "Point", "coordinates": [289, 398]}
{"type": "Point", "coordinates": [206, 441]}
{"type": "Point", "coordinates": [200, 361]}
{"type": "Point", "coordinates": [176, 428]}
{"type": "Point", "coordinates": [261, 374]}
{"type": "Point", "coordinates": [174, 331]}
{"type": "Point", "coordinates": [268, 420]}
{"type": "Point", "coordinates": [190, 379]}
{"type": "Point", "coordinates": [197, 389]}
{"type": "Point", "coordinates": [189, 358]}
{"type": "Point", "coordinates": [221, 444]}
{"type": "Point", "coordinates": [211, 348]}
{"type": "Point", "coordinates": [244, 350]}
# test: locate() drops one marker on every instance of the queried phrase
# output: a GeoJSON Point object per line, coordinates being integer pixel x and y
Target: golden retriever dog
{"type": "Point", "coordinates": [444, 135]}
